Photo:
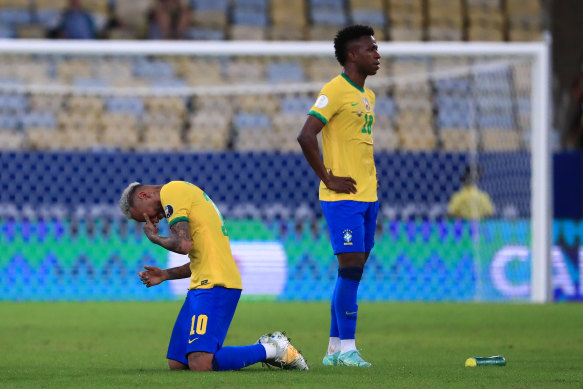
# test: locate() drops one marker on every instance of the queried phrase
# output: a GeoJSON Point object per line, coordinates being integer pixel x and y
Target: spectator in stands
{"type": "Point", "coordinates": [75, 23]}
{"type": "Point", "coordinates": [169, 19]}
{"type": "Point", "coordinates": [469, 202]}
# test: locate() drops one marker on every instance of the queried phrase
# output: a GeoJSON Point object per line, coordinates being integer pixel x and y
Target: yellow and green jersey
{"type": "Point", "coordinates": [347, 113]}
{"type": "Point", "coordinates": [470, 203]}
{"type": "Point", "coordinates": [211, 260]}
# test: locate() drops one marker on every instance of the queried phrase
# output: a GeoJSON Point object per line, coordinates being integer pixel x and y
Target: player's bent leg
{"type": "Point", "coordinates": [175, 365]}
{"type": "Point", "coordinates": [200, 361]}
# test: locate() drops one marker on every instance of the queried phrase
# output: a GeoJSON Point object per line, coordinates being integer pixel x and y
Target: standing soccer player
{"type": "Point", "coordinates": [344, 113]}
{"type": "Point", "coordinates": [197, 229]}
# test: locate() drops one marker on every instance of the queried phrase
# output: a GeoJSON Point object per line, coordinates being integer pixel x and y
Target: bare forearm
{"type": "Point", "coordinates": [179, 272]}
{"type": "Point", "coordinates": [309, 145]}
{"type": "Point", "coordinates": [179, 240]}
{"type": "Point", "coordinates": [173, 243]}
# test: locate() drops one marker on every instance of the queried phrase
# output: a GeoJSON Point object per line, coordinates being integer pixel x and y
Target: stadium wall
{"type": "Point", "coordinates": [63, 238]}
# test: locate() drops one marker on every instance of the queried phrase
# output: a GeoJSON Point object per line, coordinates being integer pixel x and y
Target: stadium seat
{"type": "Point", "coordinates": [128, 104]}
{"type": "Point", "coordinates": [85, 104]}
{"type": "Point", "coordinates": [417, 140]}
{"type": "Point", "coordinates": [246, 70]}
{"type": "Point", "coordinates": [39, 119]}
{"type": "Point", "coordinates": [286, 33]}
{"type": "Point", "coordinates": [161, 138]}
{"type": "Point", "coordinates": [124, 137]}
{"type": "Point", "coordinates": [500, 140]}
{"type": "Point", "coordinates": [284, 72]}
{"type": "Point", "coordinates": [384, 135]}
{"type": "Point", "coordinates": [208, 131]}
{"type": "Point", "coordinates": [244, 32]}
{"type": "Point", "coordinates": [79, 138]}
{"type": "Point", "coordinates": [459, 139]}
{"type": "Point", "coordinates": [299, 104]}
{"type": "Point", "coordinates": [322, 69]}
{"type": "Point", "coordinates": [266, 104]}
{"type": "Point", "coordinates": [41, 102]}
{"type": "Point", "coordinates": [11, 140]}
{"type": "Point", "coordinates": [287, 126]}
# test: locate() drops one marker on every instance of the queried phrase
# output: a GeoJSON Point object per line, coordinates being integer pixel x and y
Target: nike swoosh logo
{"type": "Point", "coordinates": [350, 313]}
{"type": "Point", "coordinates": [353, 104]}
{"type": "Point", "coordinates": [190, 341]}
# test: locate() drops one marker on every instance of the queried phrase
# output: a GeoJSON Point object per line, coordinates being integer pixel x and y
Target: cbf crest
{"type": "Point", "coordinates": [366, 104]}
{"type": "Point", "coordinates": [347, 236]}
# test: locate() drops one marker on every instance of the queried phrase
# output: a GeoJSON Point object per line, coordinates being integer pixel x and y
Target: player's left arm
{"type": "Point", "coordinates": [179, 240]}
{"type": "Point", "coordinates": [154, 275]}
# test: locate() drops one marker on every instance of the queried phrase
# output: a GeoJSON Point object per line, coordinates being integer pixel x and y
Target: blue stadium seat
{"type": "Point", "coordinates": [209, 5]}
{"type": "Point", "coordinates": [168, 83]}
{"type": "Point", "coordinates": [7, 32]}
{"type": "Point", "coordinates": [153, 69]}
{"type": "Point", "coordinates": [9, 122]}
{"type": "Point", "coordinates": [245, 120]}
{"type": "Point", "coordinates": [285, 72]}
{"type": "Point", "coordinates": [210, 34]}
{"type": "Point", "coordinates": [296, 104]}
{"type": "Point", "coordinates": [49, 18]}
{"type": "Point", "coordinates": [84, 82]}
{"type": "Point", "coordinates": [373, 18]}
{"type": "Point", "coordinates": [133, 105]}
{"type": "Point", "coordinates": [249, 17]}
{"type": "Point", "coordinates": [15, 16]}
{"type": "Point", "coordinates": [329, 17]}
{"type": "Point", "coordinates": [455, 112]}
{"type": "Point", "coordinates": [14, 102]}
{"type": "Point", "coordinates": [385, 106]}
{"type": "Point", "coordinates": [41, 119]}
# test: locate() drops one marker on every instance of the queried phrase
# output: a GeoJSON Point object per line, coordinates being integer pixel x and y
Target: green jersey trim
{"type": "Point", "coordinates": [319, 116]}
{"type": "Point", "coordinates": [351, 82]}
{"type": "Point", "coordinates": [178, 219]}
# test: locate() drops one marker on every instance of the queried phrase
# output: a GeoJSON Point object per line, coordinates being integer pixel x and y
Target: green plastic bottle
{"type": "Point", "coordinates": [496, 360]}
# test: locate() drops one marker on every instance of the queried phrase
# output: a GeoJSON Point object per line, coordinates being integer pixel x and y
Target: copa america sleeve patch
{"type": "Point", "coordinates": [168, 210]}
{"type": "Point", "coordinates": [321, 102]}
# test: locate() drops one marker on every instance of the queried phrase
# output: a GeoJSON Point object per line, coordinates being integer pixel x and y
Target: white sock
{"type": "Point", "coordinates": [270, 350]}
{"type": "Point", "coordinates": [347, 345]}
{"type": "Point", "coordinates": [333, 345]}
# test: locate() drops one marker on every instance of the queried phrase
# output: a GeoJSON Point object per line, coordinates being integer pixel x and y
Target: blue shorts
{"type": "Point", "coordinates": [203, 322]}
{"type": "Point", "coordinates": [351, 224]}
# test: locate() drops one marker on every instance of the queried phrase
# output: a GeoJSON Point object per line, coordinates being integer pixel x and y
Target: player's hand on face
{"type": "Point", "coordinates": [151, 276]}
{"type": "Point", "coordinates": [150, 229]}
{"type": "Point", "coordinates": [340, 184]}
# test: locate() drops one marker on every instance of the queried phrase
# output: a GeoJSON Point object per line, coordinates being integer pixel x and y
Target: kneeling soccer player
{"type": "Point", "coordinates": [197, 229]}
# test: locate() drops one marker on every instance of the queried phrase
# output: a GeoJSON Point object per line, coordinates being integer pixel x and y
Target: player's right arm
{"type": "Point", "coordinates": [154, 275]}
{"type": "Point", "coordinates": [308, 140]}
{"type": "Point", "coordinates": [179, 240]}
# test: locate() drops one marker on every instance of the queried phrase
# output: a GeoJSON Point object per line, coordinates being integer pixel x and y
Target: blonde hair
{"type": "Point", "coordinates": [125, 199]}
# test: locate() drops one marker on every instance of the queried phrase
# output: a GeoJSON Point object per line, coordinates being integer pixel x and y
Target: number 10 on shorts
{"type": "Point", "coordinates": [200, 328]}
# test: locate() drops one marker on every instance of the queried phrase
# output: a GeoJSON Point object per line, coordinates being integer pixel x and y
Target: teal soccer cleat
{"type": "Point", "coordinates": [352, 358]}
{"type": "Point", "coordinates": [331, 359]}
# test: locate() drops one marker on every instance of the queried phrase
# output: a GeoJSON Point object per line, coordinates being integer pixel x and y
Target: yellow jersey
{"type": "Point", "coordinates": [211, 260]}
{"type": "Point", "coordinates": [470, 203]}
{"type": "Point", "coordinates": [347, 112]}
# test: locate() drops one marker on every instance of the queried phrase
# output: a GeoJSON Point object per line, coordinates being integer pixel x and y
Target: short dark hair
{"type": "Point", "coordinates": [472, 173]}
{"type": "Point", "coordinates": [346, 35]}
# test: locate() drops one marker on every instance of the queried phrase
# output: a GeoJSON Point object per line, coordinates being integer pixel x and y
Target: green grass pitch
{"type": "Point", "coordinates": [411, 345]}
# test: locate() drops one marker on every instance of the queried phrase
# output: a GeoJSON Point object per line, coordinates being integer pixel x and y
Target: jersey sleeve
{"type": "Point", "coordinates": [326, 105]}
{"type": "Point", "coordinates": [175, 201]}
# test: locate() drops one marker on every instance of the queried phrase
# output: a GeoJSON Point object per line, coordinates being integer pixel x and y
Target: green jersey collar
{"type": "Point", "coordinates": [351, 82]}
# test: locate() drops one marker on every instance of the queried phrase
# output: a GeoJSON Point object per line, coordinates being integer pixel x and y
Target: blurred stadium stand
{"type": "Point", "coordinates": [398, 20]}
